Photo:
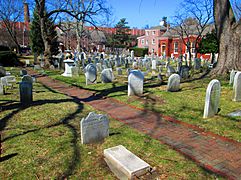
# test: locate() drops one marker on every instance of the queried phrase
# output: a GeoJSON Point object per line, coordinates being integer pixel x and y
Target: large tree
{"type": "Point", "coordinates": [229, 36]}
{"type": "Point", "coordinates": [11, 12]}
{"type": "Point", "coordinates": [122, 35]}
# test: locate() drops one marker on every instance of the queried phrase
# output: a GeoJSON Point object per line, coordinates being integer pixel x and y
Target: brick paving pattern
{"type": "Point", "coordinates": [213, 152]}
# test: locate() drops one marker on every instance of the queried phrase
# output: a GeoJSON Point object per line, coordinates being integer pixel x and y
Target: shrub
{"type": "Point", "coordinates": [140, 52]}
{"type": "Point", "coordinates": [8, 58]}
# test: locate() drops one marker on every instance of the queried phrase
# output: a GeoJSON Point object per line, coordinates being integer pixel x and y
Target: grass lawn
{"type": "Point", "coordinates": [186, 105]}
{"type": "Point", "coordinates": [42, 141]}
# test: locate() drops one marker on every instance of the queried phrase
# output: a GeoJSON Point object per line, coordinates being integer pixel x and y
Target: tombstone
{"type": "Point", "coordinates": [27, 78]}
{"type": "Point", "coordinates": [90, 74]}
{"type": "Point", "coordinates": [236, 113]}
{"type": "Point", "coordinates": [232, 74]}
{"type": "Point", "coordinates": [99, 67]}
{"type": "Point", "coordinates": [23, 72]}
{"type": "Point", "coordinates": [173, 84]}
{"type": "Point", "coordinates": [197, 63]}
{"type": "Point", "coordinates": [153, 64]}
{"type": "Point", "coordinates": [26, 92]}
{"type": "Point", "coordinates": [107, 76]}
{"type": "Point", "coordinates": [212, 99]}
{"type": "Point", "coordinates": [68, 65]}
{"type": "Point", "coordinates": [132, 54]}
{"type": "Point", "coordinates": [124, 164]}
{"type": "Point", "coordinates": [52, 67]}
{"type": "Point", "coordinates": [119, 71]}
{"type": "Point", "coordinates": [170, 71]}
{"type": "Point", "coordinates": [134, 65]}
{"type": "Point", "coordinates": [135, 83]}
{"type": "Point", "coordinates": [75, 71]}
{"type": "Point", "coordinates": [94, 128]}
{"type": "Point", "coordinates": [37, 67]}
{"type": "Point", "coordinates": [237, 87]}
{"type": "Point", "coordinates": [160, 78]}
{"type": "Point", "coordinates": [184, 72]}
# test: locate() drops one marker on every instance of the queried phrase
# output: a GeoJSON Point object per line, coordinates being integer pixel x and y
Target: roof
{"type": "Point", "coordinates": [162, 28]}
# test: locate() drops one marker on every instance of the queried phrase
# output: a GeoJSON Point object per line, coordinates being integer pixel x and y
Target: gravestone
{"type": "Point", "coordinates": [184, 72]}
{"type": "Point", "coordinates": [26, 92]}
{"type": "Point", "coordinates": [90, 74]}
{"type": "Point", "coordinates": [134, 65]}
{"type": "Point", "coordinates": [52, 67]}
{"type": "Point", "coordinates": [75, 71]}
{"type": "Point", "coordinates": [237, 87]}
{"type": "Point", "coordinates": [212, 99]}
{"type": "Point", "coordinates": [124, 164]}
{"type": "Point", "coordinates": [170, 71]}
{"type": "Point", "coordinates": [119, 71]}
{"type": "Point", "coordinates": [197, 63]}
{"type": "Point", "coordinates": [135, 83]}
{"type": "Point", "coordinates": [27, 63]}
{"type": "Point", "coordinates": [37, 67]}
{"type": "Point", "coordinates": [99, 67]}
{"type": "Point", "coordinates": [153, 65]}
{"type": "Point", "coordinates": [69, 63]}
{"type": "Point", "coordinates": [107, 76]}
{"type": "Point", "coordinates": [235, 114]}
{"type": "Point", "coordinates": [232, 74]}
{"type": "Point", "coordinates": [173, 84]}
{"type": "Point", "coordinates": [2, 91]}
{"type": "Point", "coordinates": [2, 71]}
{"type": "Point", "coordinates": [23, 72]}
{"type": "Point", "coordinates": [27, 78]}
{"type": "Point", "coordinates": [94, 128]}
{"type": "Point", "coordinates": [132, 54]}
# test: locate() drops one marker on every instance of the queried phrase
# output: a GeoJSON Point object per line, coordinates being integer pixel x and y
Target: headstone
{"type": "Point", "coordinates": [232, 74]}
{"type": "Point", "coordinates": [75, 71]}
{"type": "Point", "coordinates": [170, 71]}
{"type": "Point", "coordinates": [119, 71]}
{"type": "Point", "coordinates": [27, 63]}
{"type": "Point", "coordinates": [132, 54]}
{"type": "Point", "coordinates": [197, 63]}
{"type": "Point", "coordinates": [107, 76]}
{"type": "Point", "coordinates": [235, 114]}
{"type": "Point", "coordinates": [27, 78]}
{"type": "Point", "coordinates": [23, 72]}
{"type": "Point", "coordinates": [51, 67]}
{"type": "Point", "coordinates": [160, 78]}
{"type": "Point", "coordinates": [90, 74]}
{"type": "Point", "coordinates": [173, 84]}
{"type": "Point", "coordinates": [94, 128]}
{"type": "Point", "coordinates": [184, 72]}
{"type": "Point", "coordinates": [26, 92]}
{"type": "Point", "coordinates": [68, 65]}
{"type": "Point", "coordinates": [135, 83]}
{"type": "Point", "coordinates": [99, 67]}
{"type": "Point", "coordinates": [2, 91]}
{"type": "Point", "coordinates": [237, 87]}
{"type": "Point", "coordinates": [134, 65]}
{"type": "Point", "coordinates": [153, 65]}
{"type": "Point", "coordinates": [37, 67]}
{"type": "Point", "coordinates": [124, 164]}
{"type": "Point", "coordinates": [212, 99]}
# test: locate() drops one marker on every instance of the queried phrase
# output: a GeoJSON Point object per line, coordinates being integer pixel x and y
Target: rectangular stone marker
{"type": "Point", "coordinates": [94, 128]}
{"type": "Point", "coordinates": [124, 164]}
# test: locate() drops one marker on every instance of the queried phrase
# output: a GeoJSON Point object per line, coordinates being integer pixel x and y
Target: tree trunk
{"type": "Point", "coordinates": [228, 34]}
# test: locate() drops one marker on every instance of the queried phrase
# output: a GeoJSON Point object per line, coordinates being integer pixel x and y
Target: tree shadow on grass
{"type": "Point", "coordinates": [66, 122]}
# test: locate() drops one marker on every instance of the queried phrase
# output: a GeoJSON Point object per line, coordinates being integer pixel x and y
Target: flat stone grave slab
{"type": "Point", "coordinates": [235, 114]}
{"type": "Point", "coordinates": [124, 164]}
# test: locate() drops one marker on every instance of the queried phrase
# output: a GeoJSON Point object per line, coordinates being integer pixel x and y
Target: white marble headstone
{"type": "Point", "coordinates": [135, 83]}
{"type": "Point", "coordinates": [173, 83]}
{"type": "Point", "coordinates": [107, 75]}
{"type": "Point", "coordinates": [237, 87]}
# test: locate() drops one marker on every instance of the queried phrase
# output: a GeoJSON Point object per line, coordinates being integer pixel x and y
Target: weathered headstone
{"type": "Point", "coordinates": [173, 83]}
{"type": "Point", "coordinates": [170, 71]}
{"type": "Point", "coordinates": [27, 78]}
{"type": "Point", "coordinates": [69, 63]}
{"type": "Point", "coordinates": [2, 71]}
{"type": "Point", "coordinates": [23, 72]}
{"type": "Point", "coordinates": [235, 114]}
{"type": "Point", "coordinates": [119, 71]}
{"type": "Point", "coordinates": [232, 74]}
{"type": "Point", "coordinates": [99, 67]}
{"type": "Point", "coordinates": [94, 128]}
{"type": "Point", "coordinates": [132, 54]}
{"type": "Point", "coordinates": [135, 83]}
{"type": "Point", "coordinates": [134, 65]}
{"type": "Point", "coordinates": [212, 99]}
{"type": "Point", "coordinates": [153, 65]}
{"type": "Point", "coordinates": [184, 72]}
{"type": "Point", "coordinates": [107, 76]}
{"type": "Point", "coordinates": [2, 91]}
{"type": "Point", "coordinates": [90, 74]}
{"type": "Point", "coordinates": [237, 87]}
{"type": "Point", "coordinates": [37, 67]}
{"type": "Point", "coordinates": [26, 92]}
{"type": "Point", "coordinates": [197, 63]}
{"type": "Point", "coordinates": [124, 164]}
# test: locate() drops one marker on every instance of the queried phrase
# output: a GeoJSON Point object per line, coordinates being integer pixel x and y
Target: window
{"type": "Point", "coordinates": [153, 41]}
{"type": "Point", "coordinates": [153, 32]}
{"type": "Point", "coordinates": [146, 42]}
{"type": "Point", "coordinates": [192, 47]}
{"type": "Point", "coordinates": [142, 41]}
{"type": "Point", "coordinates": [175, 47]}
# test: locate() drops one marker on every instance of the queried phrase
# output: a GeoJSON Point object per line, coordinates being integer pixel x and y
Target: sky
{"type": "Point", "coordinates": [139, 13]}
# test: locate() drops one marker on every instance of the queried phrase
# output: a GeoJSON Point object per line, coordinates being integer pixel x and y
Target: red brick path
{"type": "Point", "coordinates": [213, 152]}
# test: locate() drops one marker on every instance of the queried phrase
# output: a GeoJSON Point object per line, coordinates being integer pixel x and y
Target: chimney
{"type": "Point", "coordinates": [26, 13]}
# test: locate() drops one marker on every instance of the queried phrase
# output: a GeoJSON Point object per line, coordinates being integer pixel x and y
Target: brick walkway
{"type": "Point", "coordinates": [213, 152]}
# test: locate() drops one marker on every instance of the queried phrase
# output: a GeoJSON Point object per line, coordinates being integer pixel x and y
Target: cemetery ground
{"type": "Point", "coordinates": [42, 141]}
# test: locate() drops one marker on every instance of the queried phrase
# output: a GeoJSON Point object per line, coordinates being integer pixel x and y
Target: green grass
{"type": "Point", "coordinates": [44, 141]}
{"type": "Point", "coordinates": [186, 105]}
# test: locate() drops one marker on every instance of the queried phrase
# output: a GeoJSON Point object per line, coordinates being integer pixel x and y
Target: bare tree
{"type": "Point", "coordinates": [10, 14]}
{"type": "Point", "coordinates": [191, 21]}
{"type": "Point", "coordinates": [229, 36]}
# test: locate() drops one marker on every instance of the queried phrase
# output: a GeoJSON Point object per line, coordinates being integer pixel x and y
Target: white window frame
{"type": "Point", "coordinates": [146, 42]}
{"type": "Point", "coordinates": [175, 47]}
{"type": "Point", "coordinates": [192, 47]}
{"type": "Point", "coordinates": [153, 41]}
{"type": "Point", "coordinates": [142, 41]}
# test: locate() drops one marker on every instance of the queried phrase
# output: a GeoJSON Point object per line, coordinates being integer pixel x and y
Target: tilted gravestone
{"type": "Point", "coordinates": [94, 128]}
{"type": "Point", "coordinates": [90, 74]}
{"type": "Point", "coordinates": [26, 90]}
{"type": "Point", "coordinates": [107, 76]}
{"type": "Point", "coordinates": [135, 83]}
{"type": "Point", "coordinates": [212, 99]}
{"type": "Point", "coordinates": [173, 83]}
{"type": "Point", "coordinates": [237, 87]}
